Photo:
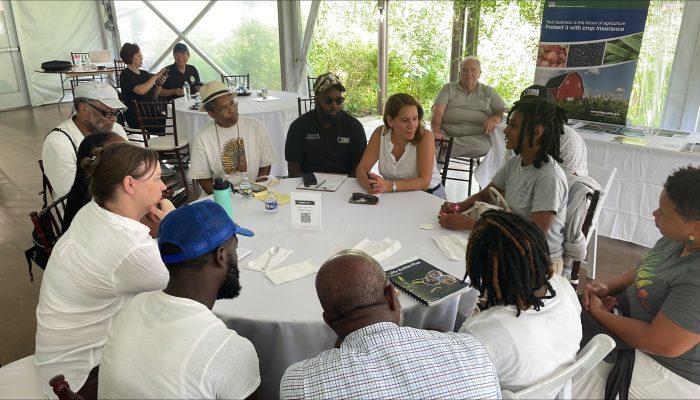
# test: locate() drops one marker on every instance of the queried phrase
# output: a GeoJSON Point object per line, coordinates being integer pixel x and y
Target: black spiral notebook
{"type": "Point", "coordinates": [426, 283]}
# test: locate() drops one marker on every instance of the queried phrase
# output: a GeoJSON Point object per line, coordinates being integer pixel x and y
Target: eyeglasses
{"type": "Point", "coordinates": [106, 114]}
{"type": "Point", "coordinates": [329, 100]}
{"type": "Point", "coordinates": [229, 106]}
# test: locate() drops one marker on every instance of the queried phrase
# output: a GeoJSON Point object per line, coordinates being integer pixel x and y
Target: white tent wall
{"type": "Point", "coordinates": [50, 30]}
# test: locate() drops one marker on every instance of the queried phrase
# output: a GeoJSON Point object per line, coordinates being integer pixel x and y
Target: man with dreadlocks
{"type": "Point", "coordinates": [534, 186]}
{"type": "Point", "coordinates": [534, 312]}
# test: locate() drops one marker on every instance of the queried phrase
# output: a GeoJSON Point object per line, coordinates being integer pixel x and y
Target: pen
{"type": "Point", "coordinates": [319, 185]}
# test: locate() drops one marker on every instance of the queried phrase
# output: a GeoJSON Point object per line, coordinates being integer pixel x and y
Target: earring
{"type": "Point", "coordinates": [691, 239]}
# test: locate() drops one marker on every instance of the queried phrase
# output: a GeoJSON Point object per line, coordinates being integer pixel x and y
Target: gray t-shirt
{"type": "Point", "coordinates": [529, 189]}
{"type": "Point", "coordinates": [669, 283]}
{"type": "Point", "coordinates": [464, 117]}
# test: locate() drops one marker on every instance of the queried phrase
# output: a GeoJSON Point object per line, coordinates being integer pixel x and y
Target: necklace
{"type": "Point", "coordinates": [233, 153]}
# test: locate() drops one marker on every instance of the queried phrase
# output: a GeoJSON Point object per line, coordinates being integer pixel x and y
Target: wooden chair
{"type": "Point", "coordinates": [119, 66]}
{"type": "Point", "coordinates": [236, 80]}
{"type": "Point", "coordinates": [310, 80]}
{"type": "Point", "coordinates": [159, 130]}
{"type": "Point", "coordinates": [590, 229]}
{"type": "Point", "coordinates": [463, 170]}
{"type": "Point", "coordinates": [305, 105]}
{"type": "Point", "coordinates": [48, 227]}
{"type": "Point", "coordinates": [62, 389]}
{"type": "Point", "coordinates": [443, 150]}
{"type": "Point", "coordinates": [46, 188]}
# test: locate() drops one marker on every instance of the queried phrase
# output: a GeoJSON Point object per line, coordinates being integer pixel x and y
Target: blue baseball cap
{"type": "Point", "coordinates": [181, 48]}
{"type": "Point", "coordinates": [197, 229]}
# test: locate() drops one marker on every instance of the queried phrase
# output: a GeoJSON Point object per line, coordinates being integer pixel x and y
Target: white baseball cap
{"type": "Point", "coordinates": [99, 91]}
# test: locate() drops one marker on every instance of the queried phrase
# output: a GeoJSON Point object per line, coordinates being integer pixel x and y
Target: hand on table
{"type": "Point", "coordinates": [377, 184]}
{"type": "Point", "coordinates": [456, 222]}
{"type": "Point", "coordinates": [449, 208]}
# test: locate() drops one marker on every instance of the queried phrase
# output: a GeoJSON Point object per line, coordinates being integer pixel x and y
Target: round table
{"type": "Point", "coordinates": [284, 322]}
{"type": "Point", "coordinates": [276, 114]}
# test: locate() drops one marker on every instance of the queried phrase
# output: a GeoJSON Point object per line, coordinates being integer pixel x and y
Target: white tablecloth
{"type": "Point", "coordinates": [634, 194]}
{"type": "Point", "coordinates": [276, 115]}
{"type": "Point", "coordinates": [284, 322]}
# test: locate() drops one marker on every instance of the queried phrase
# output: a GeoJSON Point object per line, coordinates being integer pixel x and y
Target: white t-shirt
{"type": "Point", "coordinates": [207, 150]}
{"type": "Point", "coordinates": [60, 158]}
{"type": "Point", "coordinates": [166, 347]}
{"type": "Point", "coordinates": [534, 345]}
{"type": "Point", "coordinates": [407, 166]}
{"type": "Point", "coordinates": [529, 189]}
{"type": "Point", "coordinates": [573, 151]}
{"type": "Point", "coordinates": [101, 261]}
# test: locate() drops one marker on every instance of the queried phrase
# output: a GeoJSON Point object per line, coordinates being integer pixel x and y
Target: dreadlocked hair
{"type": "Point", "coordinates": [552, 118]}
{"type": "Point", "coordinates": [508, 261]}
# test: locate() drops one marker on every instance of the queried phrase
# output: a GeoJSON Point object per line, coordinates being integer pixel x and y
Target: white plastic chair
{"type": "Point", "coordinates": [586, 360]}
{"type": "Point", "coordinates": [593, 230]}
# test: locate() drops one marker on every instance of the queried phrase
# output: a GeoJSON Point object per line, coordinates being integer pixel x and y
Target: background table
{"type": "Point", "coordinates": [77, 72]}
{"type": "Point", "coordinates": [284, 322]}
{"type": "Point", "coordinates": [634, 194]}
{"type": "Point", "coordinates": [275, 115]}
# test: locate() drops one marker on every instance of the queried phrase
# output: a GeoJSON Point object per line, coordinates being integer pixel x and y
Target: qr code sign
{"type": "Point", "coordinates": [305, 218]}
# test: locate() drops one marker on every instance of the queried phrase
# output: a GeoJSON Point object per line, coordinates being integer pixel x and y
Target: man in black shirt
{"type": "Point", "coordinates": [179, 72]}
{"type": "Point", "coordinates": [325, 139]}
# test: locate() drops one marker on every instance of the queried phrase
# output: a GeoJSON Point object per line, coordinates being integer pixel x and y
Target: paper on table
{"type": "Point", "coordinates": [289, 273]}
{"type": "Point", "coordinates": [380, 250]}
{"type": "Point", "coordinates": [454, 245]}
{"type": "Point", "coordinates": [260, 263]}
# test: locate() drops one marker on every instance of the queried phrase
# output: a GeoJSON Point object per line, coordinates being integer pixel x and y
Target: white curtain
{"type": "Point", "coordinates": [683, 99]}
{"type": "Point", "coordinates": [50, 30]}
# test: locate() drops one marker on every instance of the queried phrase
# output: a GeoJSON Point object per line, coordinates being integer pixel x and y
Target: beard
{"type": "Point", "coordinates": [231, 287]}
{"type": "Point", "coordinates": [323, 116]}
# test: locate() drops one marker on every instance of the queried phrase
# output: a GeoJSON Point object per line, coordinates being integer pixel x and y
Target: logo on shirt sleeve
{"type": "Point", "coordinates": [343, 140]}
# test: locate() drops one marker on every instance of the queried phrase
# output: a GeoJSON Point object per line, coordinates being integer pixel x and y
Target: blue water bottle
{"type": "Point", "coordinates": [222, 195]}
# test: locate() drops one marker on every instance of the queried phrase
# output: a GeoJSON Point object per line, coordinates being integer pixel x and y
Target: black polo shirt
{"type": "Point", "coordinates": [335, 150]}
{"type": "Point", "coordinates": [176, 79]}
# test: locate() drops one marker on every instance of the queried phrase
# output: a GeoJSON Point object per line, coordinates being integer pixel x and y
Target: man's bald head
{"type": "Point", "coordinates": [349, 281]}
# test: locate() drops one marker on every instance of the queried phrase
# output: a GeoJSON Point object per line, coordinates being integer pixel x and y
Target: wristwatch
{"type": "Point", "coordinates": [393, 186]}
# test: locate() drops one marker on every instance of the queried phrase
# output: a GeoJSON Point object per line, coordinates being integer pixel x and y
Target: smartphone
{"type": "Point", "coordinates": [257, 188]}
{"type": "Point", "coordinates": [309, 179]}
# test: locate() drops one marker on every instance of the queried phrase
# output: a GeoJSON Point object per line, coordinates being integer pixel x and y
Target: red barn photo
{"type": "Point", "coordinates": [566, 87]}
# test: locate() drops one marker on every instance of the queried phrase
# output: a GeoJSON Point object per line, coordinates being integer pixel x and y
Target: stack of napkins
{"type": "Point", "coordinates": [379, 250]}
{"type": "Point", "coordinates": [454, 245]}
{"type": "Point", "coordinates": [260, 263]}
{"type": "Point", "coordinates": [289, 273]}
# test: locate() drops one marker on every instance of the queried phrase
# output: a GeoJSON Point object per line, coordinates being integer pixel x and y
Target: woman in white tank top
{"type": "Point", "coordinates": [405, 150]}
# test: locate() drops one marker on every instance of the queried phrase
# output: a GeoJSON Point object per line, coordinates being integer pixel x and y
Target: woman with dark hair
{"type": "Point", "coordinates": [138, 84]}
{"type": "Point", "coordinates": [105, 258]}
{"type": "Point", "coordinates": [534, 186]}
{"type": "Point", "coordinates": [79, 194]}
{"type": "Point", "coordinates": [530, 326]}
{"type": "Point", "coordinates": [663, 293]}
{"type": "Point", "coordinates": [405, 151]}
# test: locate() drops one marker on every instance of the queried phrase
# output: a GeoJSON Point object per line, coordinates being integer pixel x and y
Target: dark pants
{"type": "Point", "coordinates": [89, 389]}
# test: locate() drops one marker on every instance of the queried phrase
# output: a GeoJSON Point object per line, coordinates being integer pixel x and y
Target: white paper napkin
{"type": "Point", "coordinates": [380, 250]}
{"type": "Point", "coordinates": [289, 273]}
{"type": "Point", "coordinates": [454, 245]}
{"type": "Point", "coordinates": [260, 262]}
